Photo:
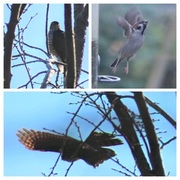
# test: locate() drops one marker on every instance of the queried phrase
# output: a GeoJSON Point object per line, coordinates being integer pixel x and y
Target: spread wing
{"type": "Point", "coordinates": [71, 149]}
{"type": "Point", "coordinates": [125, 25]}
{"type": "Point", "coordinates": [44, 141]}
{"type": "Point", "coordinates": [133, 15]}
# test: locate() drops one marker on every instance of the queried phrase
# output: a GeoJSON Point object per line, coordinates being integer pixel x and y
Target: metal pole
{"type": "Point", "coordinates": [95, 34]}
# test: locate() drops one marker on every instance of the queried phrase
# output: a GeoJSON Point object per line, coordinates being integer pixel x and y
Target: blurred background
{"type": "Point", "coordinates": [154, 65]}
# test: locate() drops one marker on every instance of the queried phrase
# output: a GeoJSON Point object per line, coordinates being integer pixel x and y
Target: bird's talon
{"type": "Point", "coordinates": [126, 70]}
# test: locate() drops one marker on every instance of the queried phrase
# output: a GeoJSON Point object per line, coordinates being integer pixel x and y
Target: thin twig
{"type": "Point", "coordinates": [25, 85]}
{"type": "Point", "coordinates": [162, 112]}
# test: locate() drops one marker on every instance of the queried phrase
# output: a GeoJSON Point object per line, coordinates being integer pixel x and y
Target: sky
{"type": "Point", "coordinates": [34, 35]}
{"type": "Point", "coordinates": [38, 110]}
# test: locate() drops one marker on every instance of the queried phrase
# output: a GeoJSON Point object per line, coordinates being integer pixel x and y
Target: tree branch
{"type": "Point", "coordinates": [162, 112]}
{"type": "Point", "coordinates": [16, 11]}
{"type": "Point", "coordinates": [80, 24]}
{"type": "Point", "coordinates": [46, 28]}
{"type": "Point", "coordinates": [71, 73]}
{"type": "Point", "coordinates": [156, 160]}
{"type": "Point", "coordinates": [127, 130]}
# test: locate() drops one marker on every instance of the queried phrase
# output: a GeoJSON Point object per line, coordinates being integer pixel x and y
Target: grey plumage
{"type": "Point", "coordinates": [133, 26]}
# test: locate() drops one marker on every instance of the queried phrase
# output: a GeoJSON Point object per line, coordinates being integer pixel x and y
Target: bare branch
{"type": "Point", "coordinates": [162, 112]}
{"type": "Point", "coordinates": [71, 73]}
{"type": "Point", "coordinates": [129, 133]}
{"type": "Point", "coordinates": [16, 11]}
{"type": "Point", "coordinates": [156, 160]}
{"type": "Point", "coordinates": [51, 71]}
{"type": "Point", "coordinates": [25, 65]}
{"type": "Point", "coordinates": [167, 142]}
{"type": "Point", "coordinates": [46, 28]}
{"type": "Point", "coordinates": [26, 85]}
{"type": "Point", "coordinates": [80, 24]}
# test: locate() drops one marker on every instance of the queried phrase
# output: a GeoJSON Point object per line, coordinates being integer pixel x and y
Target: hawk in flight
{"type": "Point", "coordinates": [56, 43]}
{"type": "Point", "coordinates": [92, 150]}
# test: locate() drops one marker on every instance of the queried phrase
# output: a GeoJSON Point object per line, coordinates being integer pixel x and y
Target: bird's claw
{"type": "Point", "coordinates": [126, 70]}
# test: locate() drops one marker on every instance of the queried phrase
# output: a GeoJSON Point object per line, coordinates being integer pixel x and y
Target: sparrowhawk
{"type": "Point", "coordinates": [56, 43]}
{"type": "Point", "coordinates": [92, 151]}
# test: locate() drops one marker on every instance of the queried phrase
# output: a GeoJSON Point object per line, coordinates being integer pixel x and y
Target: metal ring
{"type": "Point", "coordinates": [108, 78]}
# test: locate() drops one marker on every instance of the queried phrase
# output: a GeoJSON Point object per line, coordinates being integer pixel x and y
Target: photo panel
{"type": "Point", "coordinates": [134, 46]}
{"type": "Point", "coordinates": [90, 134]}
{"type": "Point", "coordinates": [46, 46]}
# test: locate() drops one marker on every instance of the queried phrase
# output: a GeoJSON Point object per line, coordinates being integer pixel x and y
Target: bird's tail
{"type": "Point", "coordinates": [114, 64]}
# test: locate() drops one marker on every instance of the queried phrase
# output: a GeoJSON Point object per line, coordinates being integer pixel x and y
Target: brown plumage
{"type": "Point", "coordinates": [91, 151]}
{"type": "Point", "coordinates": [56, 43]}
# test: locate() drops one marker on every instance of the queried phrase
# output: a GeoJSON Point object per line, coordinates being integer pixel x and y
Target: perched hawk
{"type": "Point", "coordinates": [56, 43]}
{"type": "Point", "coordinates": [91, 151]}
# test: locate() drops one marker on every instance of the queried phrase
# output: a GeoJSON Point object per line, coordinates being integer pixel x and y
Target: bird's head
{"type": "Point", "coordinates": [54, 25]}
{"type": "Point", "coordinates": [140, 26]}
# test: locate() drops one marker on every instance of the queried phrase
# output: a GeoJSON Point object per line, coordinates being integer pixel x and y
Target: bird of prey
{"type": "Point", "coordinates": [56, 43]}
{"type": "Point", "coordinates": [92, 150]}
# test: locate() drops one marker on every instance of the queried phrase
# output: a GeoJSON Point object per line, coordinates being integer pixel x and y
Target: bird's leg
{"type": "Point", "coordinates": [126, 69]}
{"type": "Point", "coordinates": [61, 67]}
{"type": "Point", "coordinates": [114, 69]}
{"type": "Point", "coordinates": [52, 59]}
